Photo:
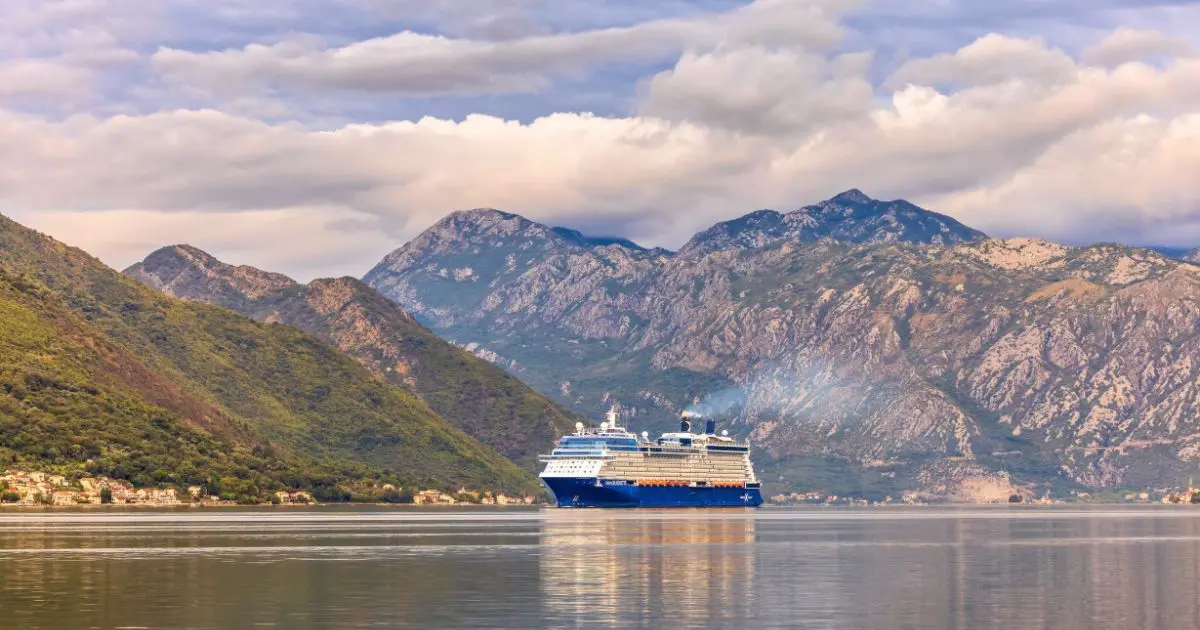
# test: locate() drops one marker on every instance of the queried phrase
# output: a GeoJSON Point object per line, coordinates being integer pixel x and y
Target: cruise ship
{"type": "Point", "coordinates": [612, 467]}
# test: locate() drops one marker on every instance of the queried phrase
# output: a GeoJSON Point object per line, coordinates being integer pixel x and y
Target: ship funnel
{"type": "Point", "coordinates": [710, 427]}
{"type": "Point", "coordinates": [685, 420]}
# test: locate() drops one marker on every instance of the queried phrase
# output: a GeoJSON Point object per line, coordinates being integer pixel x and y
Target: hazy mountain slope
{"type": "Point", "coordinates": [275, 381]}
{"type": "Point", "coordinates": [875, 367]}
{"type": "Point", "coordinates": [482, 399]}
{"type": "Point", "coordinates": [562, 316]}
{"type": "Point", "coordinates": [1022, 356]}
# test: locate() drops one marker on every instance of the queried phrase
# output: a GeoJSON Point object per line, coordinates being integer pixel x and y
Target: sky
{"type": "Point", "coordinates": [312, 137]}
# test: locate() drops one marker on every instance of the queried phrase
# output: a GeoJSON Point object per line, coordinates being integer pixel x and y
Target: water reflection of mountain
{"type": "Point", "coordinates": [1065, 573]}
{"type": "Point", "coordinates": [683, 568]}
{"type": "Point", "coordinates": [928, 568]}
{"type": "Point", "coordinates": [1134, 571]}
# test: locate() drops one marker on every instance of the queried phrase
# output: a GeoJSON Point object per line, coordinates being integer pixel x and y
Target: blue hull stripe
{"type": "Point", "coordinates": [583, 492]}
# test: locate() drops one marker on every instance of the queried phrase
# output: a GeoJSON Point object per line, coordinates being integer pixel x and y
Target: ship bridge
{"type": "Point", "coordinates": [595, 444]}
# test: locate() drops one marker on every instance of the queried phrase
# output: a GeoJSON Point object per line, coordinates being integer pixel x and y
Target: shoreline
{"type": "Point", "coordinates": [144, 506]}
{"type": "Point", "coordinates": [192, 506]}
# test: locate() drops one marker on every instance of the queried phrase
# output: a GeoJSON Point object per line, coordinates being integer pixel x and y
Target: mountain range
{"type": "Point", "coordinates": [101, 375]}
{"type": "Point", "coordinates": [865, 346]}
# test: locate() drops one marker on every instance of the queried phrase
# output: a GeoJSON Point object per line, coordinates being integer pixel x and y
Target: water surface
{"type": "Point", "coordinates": [966, 568]}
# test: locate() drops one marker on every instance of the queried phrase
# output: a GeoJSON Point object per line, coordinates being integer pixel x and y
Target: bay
{"type": "Point", "coordinates": [351, 567]}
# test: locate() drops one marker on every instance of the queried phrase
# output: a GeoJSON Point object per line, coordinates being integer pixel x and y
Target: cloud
{"type": "Point", "coordinates": [46, 27]}
{"type": "Point", "coordinates": [54, 54]}
{"type": "Point", "coordinates": [323, 241]}
{"type": "Point", "coordinates": [1013, 14]}
{"type": "Point", "coordinates": [487, 19]}
{"type": "Point", "coordinates": [420, 64]}
{"type": "Point", "coordinates": [1019, 155]}
{"type": "Point", "coordinates": [40, 78]}
{"type": "Point", "coordinates": [407, 174]}
{"type": "Point", "coordinates": [1126, 45]}
{"type": "Point", "coordinates": [989, 60]}
{"type": "Point", "coordinates": [1122, 177]}
{"type": "Point", "coordinates": [762, 105]}
{"type": "Point", "coordinates": [762, 90]}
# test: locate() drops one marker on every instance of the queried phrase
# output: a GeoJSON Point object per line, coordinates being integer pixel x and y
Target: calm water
{"type": "Point", "coordinates": [771, 568]}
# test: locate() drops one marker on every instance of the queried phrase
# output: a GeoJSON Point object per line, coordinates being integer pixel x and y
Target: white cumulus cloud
{"type": "Point", "coordinates": [757, 107]}
{"type": "Point", "coordinates": [416, 63]}
{"type": "Point", "coordinates": [1127, 44]}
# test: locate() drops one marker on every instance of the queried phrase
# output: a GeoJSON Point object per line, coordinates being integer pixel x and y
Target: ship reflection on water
{"type": "Point", "coordinates": [692, 567]}
{"type": "Point", "coordinates": [931, 568]}
{"type": "Point", "coordinates": [1093, 568]}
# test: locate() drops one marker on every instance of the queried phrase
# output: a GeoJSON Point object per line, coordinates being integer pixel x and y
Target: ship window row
{"type": "Point", "coordinates": [612, 443]}
{"type": "Point", "coordinates": [572, 466]}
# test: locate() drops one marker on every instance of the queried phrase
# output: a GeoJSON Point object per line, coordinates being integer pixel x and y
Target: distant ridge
{"type": "Point", "coordinates": [577, 237]}
{"type": "Point", "coordinates": [851, 217]}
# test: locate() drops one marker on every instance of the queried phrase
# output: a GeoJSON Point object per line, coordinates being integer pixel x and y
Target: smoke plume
{"type": "Point", "coordinates": [720, 403]}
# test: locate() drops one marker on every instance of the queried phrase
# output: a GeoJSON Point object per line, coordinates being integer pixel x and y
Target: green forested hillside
{"type": "Point", "coordinates": [482, 399]}
{"type": "Point", "coordinates": [256, 401]}
{"type": "Point", "coordinates": [72, 401]}
{"type": "Point", "coordinates": [485, 401]}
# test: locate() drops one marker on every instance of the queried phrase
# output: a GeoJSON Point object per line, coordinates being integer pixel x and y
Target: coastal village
{"type": "Point", "coordinates": [434, 497]}
{"type": "Point", "coordinates": [39, 488]}
{"type": "Point", "coordinates": [34, 488]}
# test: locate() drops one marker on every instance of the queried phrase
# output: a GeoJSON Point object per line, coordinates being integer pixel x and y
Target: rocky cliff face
{"type": "Point", "coordinates": [483, 400]}
{"type": "Point", "coordinates": [874, 358]}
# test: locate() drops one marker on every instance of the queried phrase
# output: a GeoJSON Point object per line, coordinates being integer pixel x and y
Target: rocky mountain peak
{"type": "Point", "coordinates": [194, 254]}
{"type": "Point", "coordinates": [487, 221]}
{"type": "Point", "coordinates": [185, 271]}
{"type": "Point", "coordinates": [478, 249]}
{"type": "Point", "coordinates": [471, 232]}
{"type": "Point", "coordinates": [482, 224]}
{"type": "Point", "coordinates": [852, 196]}
{"type": "Point", "coordinates": [850, 217]}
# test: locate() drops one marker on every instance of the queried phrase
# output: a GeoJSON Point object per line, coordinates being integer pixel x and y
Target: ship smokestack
{"type": "Point", "coordinates": [710, 427]}
{"type": "Point", "coordinates": [685, 421]}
